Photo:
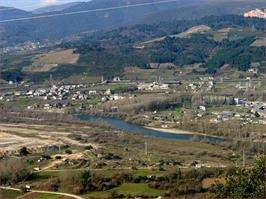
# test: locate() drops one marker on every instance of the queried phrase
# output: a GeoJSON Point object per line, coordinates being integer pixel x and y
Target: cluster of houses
{"type": "Point", "coordinates": [60, 96]}
{"type": "Point", "coordinates": [54, 92]}
{"type": "Point", "coordinates": [158, 85]}
{"type": "Point", "coordinates": [257, 113]}
{"type": "Point", "coordinates": [27, 46]}
{"type": "Point", "coordinates": [152, 86]}
{"type": "Point", "coordinates": [112, 97]}
{"type": "Point", "coordinates": [258, 13]}
{"type": "Point", "coordinates": [205, 82]}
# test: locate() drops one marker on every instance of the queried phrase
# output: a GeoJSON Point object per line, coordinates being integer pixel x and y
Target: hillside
{"type": "Point", "coordinates": [70, 26]}
{"type": "Point", "coordinates": [64, 26]}
{"type": "Point", "coordinates": [228, 41]}
{"type": "Point", "coordinates": [195, 30]}
{"type": "Point", "coordinates": [212, 7]}
{"type": "Point", "coordinates": [55, 8]}
{"type": "Point", "coordinates": [10, 13]}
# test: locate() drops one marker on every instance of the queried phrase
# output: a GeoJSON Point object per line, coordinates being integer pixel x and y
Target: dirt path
{"type": "Point", "coordinates": [55, 163]}
{"type": "Point", "coordinates": [46, 192]}
{"type": "Point", "coordinates": [58, 193]}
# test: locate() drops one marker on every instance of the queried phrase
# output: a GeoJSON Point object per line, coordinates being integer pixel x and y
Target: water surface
{"type": "Point", "coordinates": [137, 129]}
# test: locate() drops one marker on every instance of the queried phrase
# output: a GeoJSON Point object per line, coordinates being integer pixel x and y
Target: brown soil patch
{"type": "Point", "coordinates": [208, 182]}
{"type": "Point", "coordinates": [48, 61]}
{"type": "Point", "coordinates": [259, 42]}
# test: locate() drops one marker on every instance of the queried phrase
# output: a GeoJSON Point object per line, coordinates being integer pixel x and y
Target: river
{"type": "Point", "coordinates": [137, 129]}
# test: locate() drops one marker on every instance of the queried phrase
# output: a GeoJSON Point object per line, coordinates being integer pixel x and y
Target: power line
{"type": "Point", "coordinates": [85, 11]}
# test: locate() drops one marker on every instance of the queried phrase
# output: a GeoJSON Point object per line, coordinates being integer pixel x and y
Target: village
{"type": "Point", "coordinates": [82, 97]}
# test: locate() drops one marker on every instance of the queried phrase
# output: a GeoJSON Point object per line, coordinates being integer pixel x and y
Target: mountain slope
{"type": "Point", "coordinates": [64, 26]}
{"type": "Point", "coordinates": [212, 7]}
{"type": "Point", "coordinates": [55, 8]}
{"type": "Point", "coordinates": [71, 25]}
{"type": "Point", "coordinates": [9, 13]}
{"type": "Point", "coordinates": [109, 52]}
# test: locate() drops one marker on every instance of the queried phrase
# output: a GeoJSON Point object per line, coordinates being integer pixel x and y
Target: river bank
{"type": "Point", "coordinates": [129, 127]}
{"type": "Point", "coordinates": [179, 131]}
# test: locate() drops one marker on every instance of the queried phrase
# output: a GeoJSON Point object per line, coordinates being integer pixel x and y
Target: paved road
{"type": "Point", "coordinates": [47, 192]}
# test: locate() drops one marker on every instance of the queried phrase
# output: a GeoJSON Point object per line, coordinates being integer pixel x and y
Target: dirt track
{"type": "Point", "coordinates": [46, 192]}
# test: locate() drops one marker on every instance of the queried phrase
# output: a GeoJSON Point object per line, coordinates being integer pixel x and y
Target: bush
{"type": "Point", "coordinates": [68, 151]}
{"type": "Point", "coordinates": [174, 176]}
{"type": "Point", "coordinates": [193, 174]}
{"type": "Point", "coordinates": [89, 147]}
{"type": "Point", "coordinates": [13, 171]}
{"type": "Point", "coordinates": [47, 157]}
{"type": "Point", "coordinates": [58, 157]}
{"type": "Point", "coordinates": [24, 151]}
{"type": "Point", "coordinates": [77, 182]}
{"type": "Point", "coordinates": [188, 187]}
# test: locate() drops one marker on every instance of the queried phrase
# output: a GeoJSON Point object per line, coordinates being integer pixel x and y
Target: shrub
{"type": "Point", "coordinates": [193, 174]}
{"type": "Point", "coordinates": [47, 157]}
{"type": "Point", "coordinates": [89, 147]}
{"type": "Point", "coordinates": [188, 187]}
{"type": "Point", "coordinates": [68, 151]}
{"type": "Point", "coordinates": [174, 176]}
{"type": "Point", "coordinates": [13, 171]}
{"type": "Point", "coordinates": [77, 182]}
{"type": "Point", "coordinates": [58, 157]}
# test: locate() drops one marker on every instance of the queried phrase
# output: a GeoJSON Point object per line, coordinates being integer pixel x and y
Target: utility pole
{"type": "Point", "coordinates": [253, 29]}
{"type": "Point", "coordinates": [243, 157]}
{"type": "Point", "coordinates": [146, 148]}
{"type": "Point", "coordinates": [158, 73]}
{"type": "Point", "coordinates": [243, 149]}
{"type": "Point", "coordinates": [51, 79]}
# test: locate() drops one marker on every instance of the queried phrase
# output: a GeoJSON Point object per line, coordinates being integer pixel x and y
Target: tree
{"type": "Point", "coordinates": [77, 182]}
{"type": "Point", "coordinates": [23, 151]}
{"type": "Point", "coordinates": [244, 183]}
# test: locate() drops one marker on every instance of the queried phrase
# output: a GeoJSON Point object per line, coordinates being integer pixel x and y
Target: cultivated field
{"type": "Point", "coordinates": [48, 61]}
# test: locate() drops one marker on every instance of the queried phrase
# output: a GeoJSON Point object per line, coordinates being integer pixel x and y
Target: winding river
{"type": "Point", "coordinates": [134, 128]}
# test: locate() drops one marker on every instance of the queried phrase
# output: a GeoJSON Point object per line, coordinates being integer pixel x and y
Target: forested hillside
{"type": "Point", "coordinates": [116, 49]}
{"type": "Point", "coordinates": [71, 26]}
{"type": "Point", "coordinates": [227, 41]}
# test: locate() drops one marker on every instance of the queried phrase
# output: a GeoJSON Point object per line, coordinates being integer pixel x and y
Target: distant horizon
{"type": "Point", "coordinates": [34, 4]}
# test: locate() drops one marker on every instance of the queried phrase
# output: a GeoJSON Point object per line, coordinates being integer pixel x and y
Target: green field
{"type": "Point", "coordinates": [9, 194]}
